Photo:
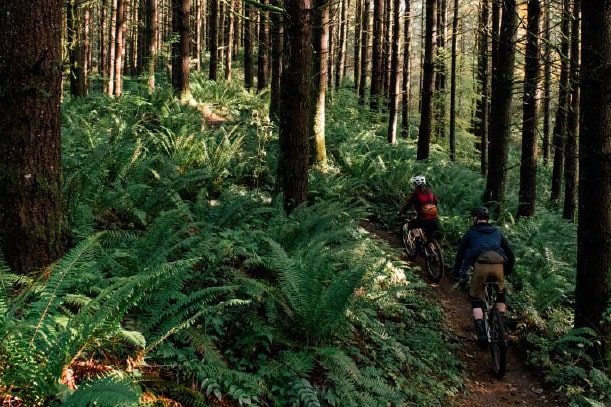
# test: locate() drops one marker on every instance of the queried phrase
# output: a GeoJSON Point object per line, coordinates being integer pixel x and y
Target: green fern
{"type": "Point", "coordinates": [112, 390]}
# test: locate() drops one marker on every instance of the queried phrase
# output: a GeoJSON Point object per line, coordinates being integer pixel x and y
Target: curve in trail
{"type": "Point", "coordinates": [519, 386]}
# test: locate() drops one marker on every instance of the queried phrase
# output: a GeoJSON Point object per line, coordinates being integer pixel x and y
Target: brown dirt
{"type": "Point", "coordinates": [519, 386]}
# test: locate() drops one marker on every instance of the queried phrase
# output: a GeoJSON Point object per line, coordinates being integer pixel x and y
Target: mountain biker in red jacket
{"type": "Point", "coordinates": [424, 202]}
{"type": "Point", "coordinates": [485, 248]}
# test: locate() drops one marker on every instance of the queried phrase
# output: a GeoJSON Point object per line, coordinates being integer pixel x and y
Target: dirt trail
{"type": "Point", "coordinates": [520, 386]}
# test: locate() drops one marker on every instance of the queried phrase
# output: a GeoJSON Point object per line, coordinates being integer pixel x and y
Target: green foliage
{"type": "Point", "coordinates": [109, 391]}
{"type": "Point", "coordinates": [186, 266]}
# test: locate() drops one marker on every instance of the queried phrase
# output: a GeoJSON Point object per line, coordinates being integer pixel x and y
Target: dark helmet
{"type": "Point", "coordinates": [480, 212]}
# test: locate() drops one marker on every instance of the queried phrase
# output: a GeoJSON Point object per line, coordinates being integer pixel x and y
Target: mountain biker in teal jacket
{"type": "Point", "coordinates": [487, 250]}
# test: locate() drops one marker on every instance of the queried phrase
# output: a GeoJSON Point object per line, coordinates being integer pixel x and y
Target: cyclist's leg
{"type": "Point", "coordinates": [496, 271]}
{"type": "Point", "coordinates": [476, 291]}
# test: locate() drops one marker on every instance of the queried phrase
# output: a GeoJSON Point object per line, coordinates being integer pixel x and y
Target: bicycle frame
{"type": "Point", "coordinates": [428, 249]}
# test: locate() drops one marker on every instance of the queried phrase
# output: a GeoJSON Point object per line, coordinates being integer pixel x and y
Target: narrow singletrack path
{"type": "Point", "coordinates": [519, 387]}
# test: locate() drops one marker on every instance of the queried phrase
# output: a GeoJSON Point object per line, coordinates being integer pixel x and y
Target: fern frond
{"type": "Point", "coordinates": [109, 391]}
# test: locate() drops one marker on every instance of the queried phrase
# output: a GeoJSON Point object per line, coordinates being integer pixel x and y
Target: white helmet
{"type": "Point", "coordinates": [419, 180]}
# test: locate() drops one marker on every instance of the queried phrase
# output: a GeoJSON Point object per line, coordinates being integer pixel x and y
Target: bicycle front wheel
{"type": "Point", "coordinates": [498, 345]}
{"type": "Point", "coordinates": [434, 261]}
{"type": "Point", "coordinates": [408, 243]}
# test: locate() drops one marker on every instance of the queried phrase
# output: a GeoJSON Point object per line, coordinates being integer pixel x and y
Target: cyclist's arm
{"type": "Point", "coordinates": [408, 203]}
{"type": "Point", "coordinates": [511, 258]}
{"type": "Point", "coordinates": [460, 254]}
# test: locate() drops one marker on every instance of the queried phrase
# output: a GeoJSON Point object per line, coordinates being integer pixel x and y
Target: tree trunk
{"type": "Point", "coordinates": [407, 70]}
{"type": "Point", "coordinates": [214, 39]}
{"type": "Point", "coordinates": [32, 233]}
{"type": "Point", "coordinates": [197, 32]}
{"type": "Point", "coordinates": [320, 33]}
{"type": "Point", "coordinates": [395, 70]}
{"type": "Point", "coordinates": [439, 111]}
{"type": "Point", "coordinates": [480, 125]}
{"type": "Point", "coordinates": [559, 134]}
{"type": "Point", "coordinates": [181, 50]}
{"type": "Point", "coordinates": [76, 51]}
{"type": "Point", "coordinates": [112, 47]}
{"type": "Point", "coordinates": [295, 120]}
{"type": "Point", "coordinates": [249, 37]}
{"type": "Point", "coordinates": [119, 48]}
{"type": "Point", "coordinates": [377, 62]}
{"type": "Point", "coordinates": [365, 37]}
{"type": "Point", "coordinates": [453, 84]}
{"type": "Point", "coordinates": [594, 230]}
{"type": "Point", "coordinates": [530, 114]}
{"type": "Point", "coordinates": [340, 64]}
{"type": "Point", "coordinates": [103, 45]}
{"type": "Point", "coordinates": [547, 81]}
{"type": "Point", "coordinates": [151, 33]}
{"type": "Point", "coordinates": [358, 35]}
{"type": "Point", "coordinates": [263, 56]}
{"type": "Point", "coordinates": [428, 82]}
{"type": "Point", "coordinates": [230, 40]}
{"type": "Point", "coordinates": [276, 63]}
{"type": "Point", "coordinates": [500, 125]}
{"type": "Point", "coordinates": [572, 130]}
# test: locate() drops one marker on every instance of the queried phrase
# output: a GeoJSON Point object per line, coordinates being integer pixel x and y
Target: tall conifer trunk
{"type": "Point", "coordinates": [31, 216]}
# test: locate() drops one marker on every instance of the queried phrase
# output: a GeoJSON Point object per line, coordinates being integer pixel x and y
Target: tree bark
{"type": "Point", "coordinates": [230, 40]}
{"type": "Point", "coordinates": [77, 54]}
{"type": "Point", "coordinates": [547, 81]}
{"type": "Point", "coordinates": [453, 80]}
{"type": "Point", "coordinates": [340, 62]}
{"type": "Point", "coordinates": [482, 106]}
{"type": "Point", "coordinates": [365, 38]}
{"type": "Point", "coordinates": [249, 37]}
{"type": "Point", "coordinates": [530, 114]}
{"type": "Point", "coordinates": [594, 229]}
{"type": "Point", "coordinates": [295, 106]}
{"type": "Point", "coordinates": [151, 33]}
{"type": "Point", "coordinates": [263, 55]}
{"type": "Point", "coordinates": [407, 70]}
{"type": "Point", "coordinates": [502, 94]}
{"type": "Point", "coordinates": [277, 29]}
{"type": "Point", "coordinates": [320, 32]}
{"type": "Point", "coordinates": [358, 35]}
{"type": "Point", "coordinates": [119, 48]}
{"type": "Point", "coordinates": [377, 61]}
{"type": "Point", "coordinates": [214, 39]}
{"type": "Point", "coordinates": [559, 133]}
{"type": "Point", "coordinates": [428, 82]}
{"type": "Point", "coordinates": [572, 129]}
{"type": "Point", "coordinates": [439, 111]}
{"type": "Point", "coordinates": [395, 69]}
{"type": "Point", "coordinates": [32, 232]}
{"type": "Point", "coordinates": [181, 50]}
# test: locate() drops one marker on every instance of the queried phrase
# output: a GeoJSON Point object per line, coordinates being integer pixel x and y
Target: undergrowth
{"type": "Point", "coordinates": [187, 283]}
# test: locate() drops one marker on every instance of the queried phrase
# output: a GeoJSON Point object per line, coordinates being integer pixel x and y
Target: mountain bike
{"type": "Point", "coordinates": [495, 330]}
{"type": "Point", "coordinates": [417, 244]}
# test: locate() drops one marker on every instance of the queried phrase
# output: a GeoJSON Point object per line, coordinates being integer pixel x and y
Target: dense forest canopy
{"type": "Point", "coordinates": [181, 183]}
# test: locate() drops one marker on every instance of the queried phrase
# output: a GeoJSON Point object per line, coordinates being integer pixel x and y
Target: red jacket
{"type": "Point", "coordinates": [424, 202]}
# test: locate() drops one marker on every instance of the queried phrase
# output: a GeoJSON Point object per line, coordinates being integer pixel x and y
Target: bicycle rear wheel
{"type": "Point", "coordinates": [498, 345]}
{"type": "Point", "coordinates": [434, 261]}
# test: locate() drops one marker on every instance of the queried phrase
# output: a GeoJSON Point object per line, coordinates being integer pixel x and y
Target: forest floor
{"type": "Point", "coordinates": [519, 386]}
